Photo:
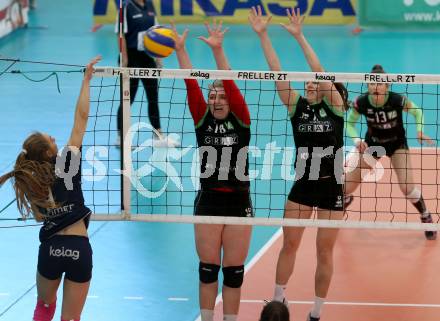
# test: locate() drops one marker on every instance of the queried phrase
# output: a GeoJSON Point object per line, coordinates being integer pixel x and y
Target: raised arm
{"type": "Point", "coordinates": [294, 27]}
{"type": "Point", "coordinates": [288, 95]}
{"type": "Point", "coordinates": [182, 54]}
{"type": "Point", "coordinates": [82, 107]}
{"type": "Point", "coordinates": [215, 42]}
{"type": "Point", "coordinates": [235, 99]}
{"type": "Point", "coordinates": [196, 101]}
{"type": "Point", "coordinates": [412, 108]}
{"type": "Point", "coordinates": [352, 119]}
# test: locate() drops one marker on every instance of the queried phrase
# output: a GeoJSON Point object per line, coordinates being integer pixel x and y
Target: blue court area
{"type": "Point", "coordinates": [148, 271]}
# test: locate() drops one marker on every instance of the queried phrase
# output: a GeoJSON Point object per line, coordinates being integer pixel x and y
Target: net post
{"type": "Point", "coordinates": [126, 168]}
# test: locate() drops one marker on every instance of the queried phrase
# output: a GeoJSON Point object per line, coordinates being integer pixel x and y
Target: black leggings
{"type": "Point", "coordinates": [139, 59]}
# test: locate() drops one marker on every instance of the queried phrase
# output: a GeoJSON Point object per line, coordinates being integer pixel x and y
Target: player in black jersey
{"type": "Point", "coordinates": [317, 122]}
{"type": "Point", "coordinates": [383, 110]}
{"type": "Point", "coordinates": [222, 126]}
{"type": "Point", "coordinates": [49, 188]}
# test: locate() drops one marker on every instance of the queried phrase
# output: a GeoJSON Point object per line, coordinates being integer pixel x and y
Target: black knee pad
{"type": "Point", "coordinates": [208, 273]}
{"type": "Point", "coordinates": [233, 276]}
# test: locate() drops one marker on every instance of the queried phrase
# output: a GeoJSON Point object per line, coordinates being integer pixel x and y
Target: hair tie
{"type": "Point", "coordinates": [24, 151]}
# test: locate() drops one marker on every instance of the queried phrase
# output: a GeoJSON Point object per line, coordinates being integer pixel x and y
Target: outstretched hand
{"type": "Point", "coordinates": [179, 39]}
{"type": "Point", "coordinates": [258, 23]}
{"type": "Point", "coordinates": [294, 26]}
{"type": "Point", "coordinates": [216, 34]}
{"type": "Point", "coordinates": [88, 73]}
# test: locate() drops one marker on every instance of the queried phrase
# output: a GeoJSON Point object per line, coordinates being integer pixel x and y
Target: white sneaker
{"type": "Point", "coordinates": [172, 140]}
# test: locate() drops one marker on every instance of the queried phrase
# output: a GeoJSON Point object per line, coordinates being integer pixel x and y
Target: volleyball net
{"type": "Point", "coordinates": [159, 183]}
{"type": "Point", "coordinates": [137, 178]}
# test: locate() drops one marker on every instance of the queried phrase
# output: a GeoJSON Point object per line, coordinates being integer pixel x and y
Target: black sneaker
{"type": "Point", "coordinates": [430, 235]}
{"type": "Point", "coordinates": [310, 318]}
{"type": "Point", "coordinates": [348, 199]}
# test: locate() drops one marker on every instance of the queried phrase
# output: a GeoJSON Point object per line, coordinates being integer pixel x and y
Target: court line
{"type": "Point", "coordinates": [138, 298]}
{"type": "Point", "coordinates": [178, 299]}
{"type": "Point", "coordinates": [372, 304]}
{"type": "Point", "coordinates": [253, 261]}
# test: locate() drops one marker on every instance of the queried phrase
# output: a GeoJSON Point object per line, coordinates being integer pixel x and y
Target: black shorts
{"type": "Point", "coordinates": [390, 148]}
{"type": "Point", "coordinates": [324, 193]}
{"type": "Point", "coordinates": [214, 203]}
{"type": "Point", "coordinates": [69, 254]}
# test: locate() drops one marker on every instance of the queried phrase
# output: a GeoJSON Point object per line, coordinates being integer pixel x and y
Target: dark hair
{"type": "Point", "coordinates": [275, 311]}
{"type": "Point", "coordinates": [343, 92]}
{"type": "Point", "coordinates": [33, 176]}
{"type": "Point", "coordinates": [377, 69]}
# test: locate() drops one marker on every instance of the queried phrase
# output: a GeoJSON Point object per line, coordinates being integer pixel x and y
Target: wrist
{"type": "Point", "coordinates": [299, 37]}
{"type": "Point", "coordinates": [262, 34]}
{"type": "Point", "coordinates": [217, 50]}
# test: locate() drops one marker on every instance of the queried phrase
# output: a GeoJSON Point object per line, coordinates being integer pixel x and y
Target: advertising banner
{"type": "Point", "coordinates": [105, 11]}
{"type": "Point", "coordinates": [13, 15]}
{"type": "Point", "coordinates": [236, 11]}
{"type": "Point", "coordinates": [399, 13]}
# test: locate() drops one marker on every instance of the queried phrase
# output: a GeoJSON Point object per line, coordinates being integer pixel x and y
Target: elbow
{"type": "Point", "coordinates": [351, 130]}
{"type": "Point", "coordinates": [83, 115]}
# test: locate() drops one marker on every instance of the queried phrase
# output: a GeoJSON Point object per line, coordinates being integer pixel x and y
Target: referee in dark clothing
{"type": "Point", "coordinates": [139, 16]}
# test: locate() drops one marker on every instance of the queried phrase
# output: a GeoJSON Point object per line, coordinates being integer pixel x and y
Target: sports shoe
{"type": "Point", "coordinates": [171, 140]}
{"type": "Point", "coordinates": [430, 235]}
{"type": "Point", "coordinates": [310, 318]}
{"type": "Point", "coordinates": [348, 199]}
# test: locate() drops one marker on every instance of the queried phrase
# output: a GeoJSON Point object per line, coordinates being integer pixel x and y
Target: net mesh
{"type": "Point", "coordinates": [143, 180]}
{"type": "Point", "coordinates": [164, 181]}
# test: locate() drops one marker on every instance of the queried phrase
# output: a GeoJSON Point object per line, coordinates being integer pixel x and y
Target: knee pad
{"type": "Point", "coordinates": [233, 276]}
{"type": "Point", "coordinates": [208, 273]}
{"type": "Point", "coordinates": [43, 311]}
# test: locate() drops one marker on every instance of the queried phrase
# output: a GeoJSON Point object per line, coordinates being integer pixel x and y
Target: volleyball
{"type": "Point", "coordinates": [159, 41]}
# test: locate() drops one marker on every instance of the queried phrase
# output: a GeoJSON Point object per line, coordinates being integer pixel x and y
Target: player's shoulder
{"type": "Point", "coordinates": [361, 102]}
{"type": "Point", "coordinates": [396, 99]}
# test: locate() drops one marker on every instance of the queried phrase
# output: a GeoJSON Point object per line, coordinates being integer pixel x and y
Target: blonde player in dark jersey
{"type": "Point", "coordinates": [317, 122]}
{"type": "Point", "coordinates": [383, 110]}
{"type": "Point", "coordinates": [222, 125]}
{"type": "Point", "coordinates": [59, 204]}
